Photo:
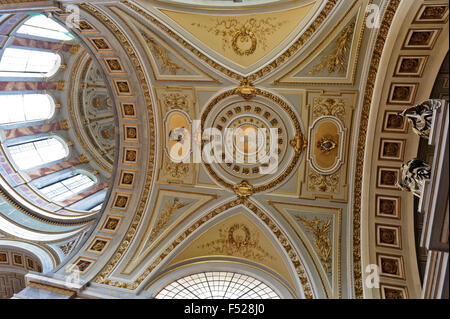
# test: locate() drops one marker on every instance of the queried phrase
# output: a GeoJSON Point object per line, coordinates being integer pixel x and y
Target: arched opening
{"type": "Point", "coordinates": [217, 285]}
{"type": "Point", "coordinates": [18, 62]}
{"type": "Point", "coordinates": [38, 152]}
{"type": "Point", "coordinates": [44, 27]}
{"type": "Point", "coordinates": [18, 108]}
{"type": "Point", "coordinates": [68, 187]}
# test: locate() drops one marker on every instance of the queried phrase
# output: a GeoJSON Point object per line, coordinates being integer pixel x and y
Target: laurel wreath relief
{"type": "Point", "coordinates": [243, 38]}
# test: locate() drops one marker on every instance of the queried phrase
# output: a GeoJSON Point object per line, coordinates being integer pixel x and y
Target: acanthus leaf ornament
{"type": "Point", "coordinates": [243, 189]}
{"type": "Point", "coordinates": [238, 240]}
{"type": "Point", "coordinates": [246, 89]}
{"type": "Point", "coordinates": [243, 37]}
{"type": "Point", "coordinates": [299, 143]}
{"type": "Point", "coordinates": [336, 60]}
{"type": "Point", "coordinates": [163, 56]}
{"type": "Point", "coordinates": [322, 244]}
{"type": "Point", "coordinates": [166, 214]}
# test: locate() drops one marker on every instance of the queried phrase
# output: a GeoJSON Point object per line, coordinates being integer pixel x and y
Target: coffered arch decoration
{"type": "Point", "coordinates": [15, 262]}
{"type": "Point", "coordinates": [413, 54]}
{"type": "Point", "coordinates": [118, 103]}
{"type": "Point", "coordinates": [130, 126]}
{"type": "Point", "coordinates": [41, 260]}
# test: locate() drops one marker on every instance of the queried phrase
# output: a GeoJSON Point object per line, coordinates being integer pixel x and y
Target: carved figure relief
{"type": "Point", "coordinates": [414, 173]}
{"type": "Point", "coordinates": [420, 116]}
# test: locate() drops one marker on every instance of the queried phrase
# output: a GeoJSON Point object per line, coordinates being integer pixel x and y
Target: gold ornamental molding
{"type": "Point", "coordinates": [18, 1]}
{"type": "Point", "coordinates": [163, 56]}
{"type": "Point", "coordinates": [243, 189]}
{"type": "Point", "coordinates": [343, 55]}
{"type": "Point", "coordinates": [235, 33]}
{"type": "Point", "coordinates": [161, 53]}
{"type": "Point", "coordinates": [279, 60]}
{"type": "Point", "coordinates": [336, 60]}
{"type": "Point", "coordinates": [298, 143]}
{"type": "Point", "coordinates": [320, 229]}
{"type": "Point", "coordinates": [62, 291]}
{"type": "Point", "coordinates": [362, 138]}
{"type": "Point", "coordinates": [152, 147]}
{"type": "Point", "coordinates": [243, 39]}
{"type": "Point", "coordinates": [166, 214]}
{"type": "Point", "coordinates": [288, 248]}
{"type": "Point", "coordinates": [7, 197]}
{"type": "Point", "coordinates": [84, 59]}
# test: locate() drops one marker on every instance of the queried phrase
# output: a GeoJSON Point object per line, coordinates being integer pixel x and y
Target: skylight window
{"type": "Point", "coordinates": [217, 285]}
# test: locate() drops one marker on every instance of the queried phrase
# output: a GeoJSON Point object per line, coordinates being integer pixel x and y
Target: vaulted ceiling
{"type": "Point", "coordinates": [321, 74]}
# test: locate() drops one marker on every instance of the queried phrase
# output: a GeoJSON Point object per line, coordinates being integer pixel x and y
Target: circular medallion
{"type": "Point", "coordinates": [244, 42]}
{"type": "Point", "coordinates": [252, 141]}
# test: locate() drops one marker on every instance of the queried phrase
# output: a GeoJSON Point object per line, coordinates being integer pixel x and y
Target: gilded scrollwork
{"type": "Point", "coordinates": [357, 277]}
{"type": "Point", "coordinates": [167, 64]}
{"type": "Point", "coordinates": [243, 189]}
{"type": "Point", "coordinates": [327, 144]}
{"type": "Point", "coordinates": [238, 240]}
{"type": "Point", "coordinates": [244, 37]}
{"type": "Point", "coordinates": [327, 9]}
{"type": "Point", "coordinates": [329, 106]}
{"type": "Point", "coordinates": [323, 183]}
{"type": "Point", "coordinates": [299, 143]}
{"type": "Point", "coordinates": [335, 61]}
{"type": "Point", "coordinates": [320, 230]}
{"type": "Point", "coordinates": [166, 214]}
{"type": "Point", "coordinates": [174, 170]}
{"type": "Point", "coordinates": [67, 247]}
{"type": "Point", "coordinates": [246, 89]}
{"type": "Point", "coordinates": [175, 100]}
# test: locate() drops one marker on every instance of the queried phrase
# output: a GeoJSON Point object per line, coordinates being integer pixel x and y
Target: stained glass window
{"type": "Point", "coordinates": [217, 285]}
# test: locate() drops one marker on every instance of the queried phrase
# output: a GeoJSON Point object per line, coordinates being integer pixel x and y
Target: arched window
{"type": "Point", "coordinates": [217, 285]}
{"type": "Point", "coordinates": [42, 26]}
{"type": "Point", "coordinates": [25, 107]}
{"type": "Point", "coordinates": [17, 62]}
{"type": "Point", "coordinates": [66, 188]}
{"type": "Point", "coordinates": [36, 153]}
{"type": "Point", "coordinates": [98, 207]}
